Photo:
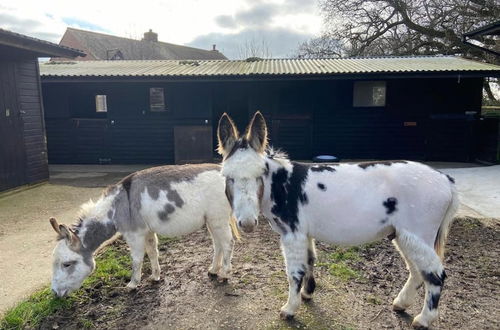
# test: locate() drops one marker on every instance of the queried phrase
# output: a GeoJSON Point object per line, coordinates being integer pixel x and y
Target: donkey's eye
{"type": "Point", "coordinates": [67, 264]}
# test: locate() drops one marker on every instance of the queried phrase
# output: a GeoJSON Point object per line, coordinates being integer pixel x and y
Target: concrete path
{"type": "Point", "coordinates": [479, 189]}
{"type": "Point", "coordinates": [27, 240]}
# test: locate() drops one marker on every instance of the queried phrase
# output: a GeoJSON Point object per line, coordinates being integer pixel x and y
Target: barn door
{"type": "Point", "coordinates": [193, 144]}
{"type": "Point", "coordinates": [12, 151]}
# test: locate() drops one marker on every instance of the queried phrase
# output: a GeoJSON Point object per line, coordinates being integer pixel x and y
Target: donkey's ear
{"type": "Point", "coordinates": [55, 225]}
{"type": "Point", "coordinates": [257, 133]}
{"type": "Point", "coordinates": [227, 134]}
{"type": "Point", "coordinates": [70, 236]}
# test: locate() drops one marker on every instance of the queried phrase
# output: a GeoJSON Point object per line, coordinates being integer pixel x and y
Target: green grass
{"type": "Point", "coordinates": [113, 268]}
{"type": "Point", "coordinates": [32, 311]}
{"type": "Point", "coordinates": [339, 263]}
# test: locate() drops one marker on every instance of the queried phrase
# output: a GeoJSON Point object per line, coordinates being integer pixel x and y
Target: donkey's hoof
{"type": "Point", "coordinates": [212, 276]}
{"type": "Point", "coordinates": [154, 278]}
{"type": "Point", "coordinates": [417, 325]}
{"type": "Point", "coordinates": [223, 280]}
{"type": "Point", "coordinates": [131, 287]}
{"type": "Point", "coordinates": [306, 296]}
{"type": "Point", "coordinates": [398, 308]}
{"type": "Point", "coordinates": [285, 316]}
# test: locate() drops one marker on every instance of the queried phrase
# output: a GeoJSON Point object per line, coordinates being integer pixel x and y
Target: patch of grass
{"type": "Point", "coordinates": [86, 324]}
{"type": "Point", "coordinates": [30, 312]}
{"type": "Point", "coordinates": [342, 271]}
{"type": "Point", "coordinates": [350, 254]}
{"type": "Point", "coordinates": [373, 300]}
{"type": "Point", "coordinates": [339, 263]}
{"type": "Point", "coordinates": [113, 268]}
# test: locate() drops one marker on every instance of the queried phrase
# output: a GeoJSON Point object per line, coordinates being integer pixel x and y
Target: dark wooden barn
{"type": "Point", "coordinates": [23, 152]}
{"type": "Point", "coordinates": [423, 108]}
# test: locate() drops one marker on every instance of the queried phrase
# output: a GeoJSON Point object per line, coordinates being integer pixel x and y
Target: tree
{"type": "Point", "coordinates": [402, 27]}
{"type": "Point", "coordinates": [254, 48]}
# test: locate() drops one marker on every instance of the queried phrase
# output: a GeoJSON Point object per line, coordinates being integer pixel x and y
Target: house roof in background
{"type": "Point", "coordinates": [101, 46]}
{"type": "Point", "coordinates": [270, 67]}
{"type": "Point", "coordinates": [40, 48]}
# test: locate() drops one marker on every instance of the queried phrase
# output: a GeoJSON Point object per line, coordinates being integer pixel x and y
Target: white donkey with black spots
{"type": "Point", "coordinates": [345, 204]}
{"type": "Point", "coordinates": [167, 200]}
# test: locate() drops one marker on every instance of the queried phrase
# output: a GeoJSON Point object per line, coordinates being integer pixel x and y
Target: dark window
{"type": "Point", "coordinates": [156, 99]}
{"type": "Point", "coordinates": [101, 104]}
{"type": "Point", "coordinates": [369, 94]}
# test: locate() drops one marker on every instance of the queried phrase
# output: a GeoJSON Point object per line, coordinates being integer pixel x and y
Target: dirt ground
{"type": "Point", "coordinates": [186, 298]}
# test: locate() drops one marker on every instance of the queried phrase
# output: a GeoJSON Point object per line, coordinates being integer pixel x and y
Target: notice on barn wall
{"type": "Point", "coordinates": [410, 123]}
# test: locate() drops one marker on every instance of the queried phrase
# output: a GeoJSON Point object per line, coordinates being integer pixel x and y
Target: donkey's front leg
{"type": "Point", "coordinates": [295, 252]}
{"type": "Point", "coordinates": [136, 242]}
{"type": "Point", "coordinates": [223, 249]}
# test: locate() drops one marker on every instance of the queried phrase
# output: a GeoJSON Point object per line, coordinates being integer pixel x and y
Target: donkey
{"type": "Point", "coordinates": [345, 204]}
{"type": "Point", "coordinates": [167, 200]}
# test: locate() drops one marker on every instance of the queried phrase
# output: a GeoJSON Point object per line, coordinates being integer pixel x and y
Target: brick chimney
{"type": "Point", "coordinates": [150, 36]}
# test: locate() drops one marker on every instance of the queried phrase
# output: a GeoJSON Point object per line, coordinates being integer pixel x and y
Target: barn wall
{"type": "Point", "coordinates": [23, 156]}
{"type": "Point", "coordinates": [129, 132]}
{"type": "Point", "coordinates": [423, 119]}
{"type": "Point", "coordinates": [32, 115]}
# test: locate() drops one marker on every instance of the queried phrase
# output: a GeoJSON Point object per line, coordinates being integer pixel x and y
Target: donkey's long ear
{"type": "Point", "coordinates": [227, 134]}
{"type": "Point", "coordinates": [257, 133]}
{"type": "Point", "coordinates": [71, 237]}
{"type": "Point", "coordinates": [55, 225]}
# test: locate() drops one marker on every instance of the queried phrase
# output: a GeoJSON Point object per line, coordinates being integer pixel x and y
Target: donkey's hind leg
{"type": "Point", "coordinates": [428, 263]}
{"type": "Point", "coordinates": [152, 251]}
{"type": "Point", "coordinates": [406, 296]}
{"type": "Point", "coordinates": [309, 283]}
{"type": "Point", "coordinates": [223, 248]}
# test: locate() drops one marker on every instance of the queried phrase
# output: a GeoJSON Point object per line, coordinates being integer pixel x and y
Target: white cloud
{"type": "Point", "coordinates": [175, 21]}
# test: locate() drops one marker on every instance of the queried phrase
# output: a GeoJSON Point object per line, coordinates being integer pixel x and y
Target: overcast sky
{"type": "Point", "coordinates": [279, 25]}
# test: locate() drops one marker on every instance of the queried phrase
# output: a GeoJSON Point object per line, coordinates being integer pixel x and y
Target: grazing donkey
{"type": "Point", "coordinates": [346, 204]}
{"type": "Point", "coordinates": [167, 200]}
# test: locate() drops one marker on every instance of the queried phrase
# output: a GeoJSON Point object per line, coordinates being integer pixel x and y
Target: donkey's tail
{"type": "Point", "coordinates": [234, 228]}
{"type": "Point", "coordinates": [444, 228]}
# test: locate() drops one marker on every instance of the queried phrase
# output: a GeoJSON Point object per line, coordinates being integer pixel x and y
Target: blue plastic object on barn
{"type": "Point", "coordinates": [326, 159]}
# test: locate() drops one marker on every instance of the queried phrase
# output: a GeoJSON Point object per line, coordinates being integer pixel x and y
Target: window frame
{"type": "Point", "coordinates": [105, 103]}
{"type": "Point", "coordinates": [359, 100]}
{"type": "Point", "coordinates": [160, 107]}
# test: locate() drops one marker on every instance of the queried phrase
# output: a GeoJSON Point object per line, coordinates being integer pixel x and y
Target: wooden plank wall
{"type": "Point", "coordinates": [24, 155]}
{"type": "Point", "coordinates": [305, 118]}
{"type": "Point", "coordinates": [32, 115]}
{"type": "Point", "coordinates": [129, 133]}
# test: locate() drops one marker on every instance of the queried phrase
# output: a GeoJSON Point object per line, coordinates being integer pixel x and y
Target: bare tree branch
{"type": "Point", "coordinates": [402, 27]}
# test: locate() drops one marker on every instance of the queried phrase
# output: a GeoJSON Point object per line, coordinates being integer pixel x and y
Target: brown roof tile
{"type": "Point", "coordinates": [100, 46]}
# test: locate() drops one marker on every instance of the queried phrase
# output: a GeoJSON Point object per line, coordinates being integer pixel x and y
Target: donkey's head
{"type": "Point", "coordinates": [72, 263]}
{"type": "Point", "coordinates": [243, 167]}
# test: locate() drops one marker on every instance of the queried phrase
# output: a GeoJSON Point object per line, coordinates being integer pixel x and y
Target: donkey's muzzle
{"type": "Point", "coordinates": [247, 226]}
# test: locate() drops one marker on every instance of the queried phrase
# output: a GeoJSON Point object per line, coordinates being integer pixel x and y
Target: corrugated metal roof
{"type": "Point", "coordinates": [270, 67]}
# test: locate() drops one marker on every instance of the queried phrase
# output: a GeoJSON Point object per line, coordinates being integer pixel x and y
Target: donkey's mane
{"type": "Point", "coordinates": [273, 153]}
{"type": "Point", "coordinates": [96, 210]}
{"type": "Point", "coordinates": [277, 155]}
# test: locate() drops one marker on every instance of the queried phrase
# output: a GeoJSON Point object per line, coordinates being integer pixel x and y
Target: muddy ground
{"type": "Point", "coordinates": [356, 295]}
